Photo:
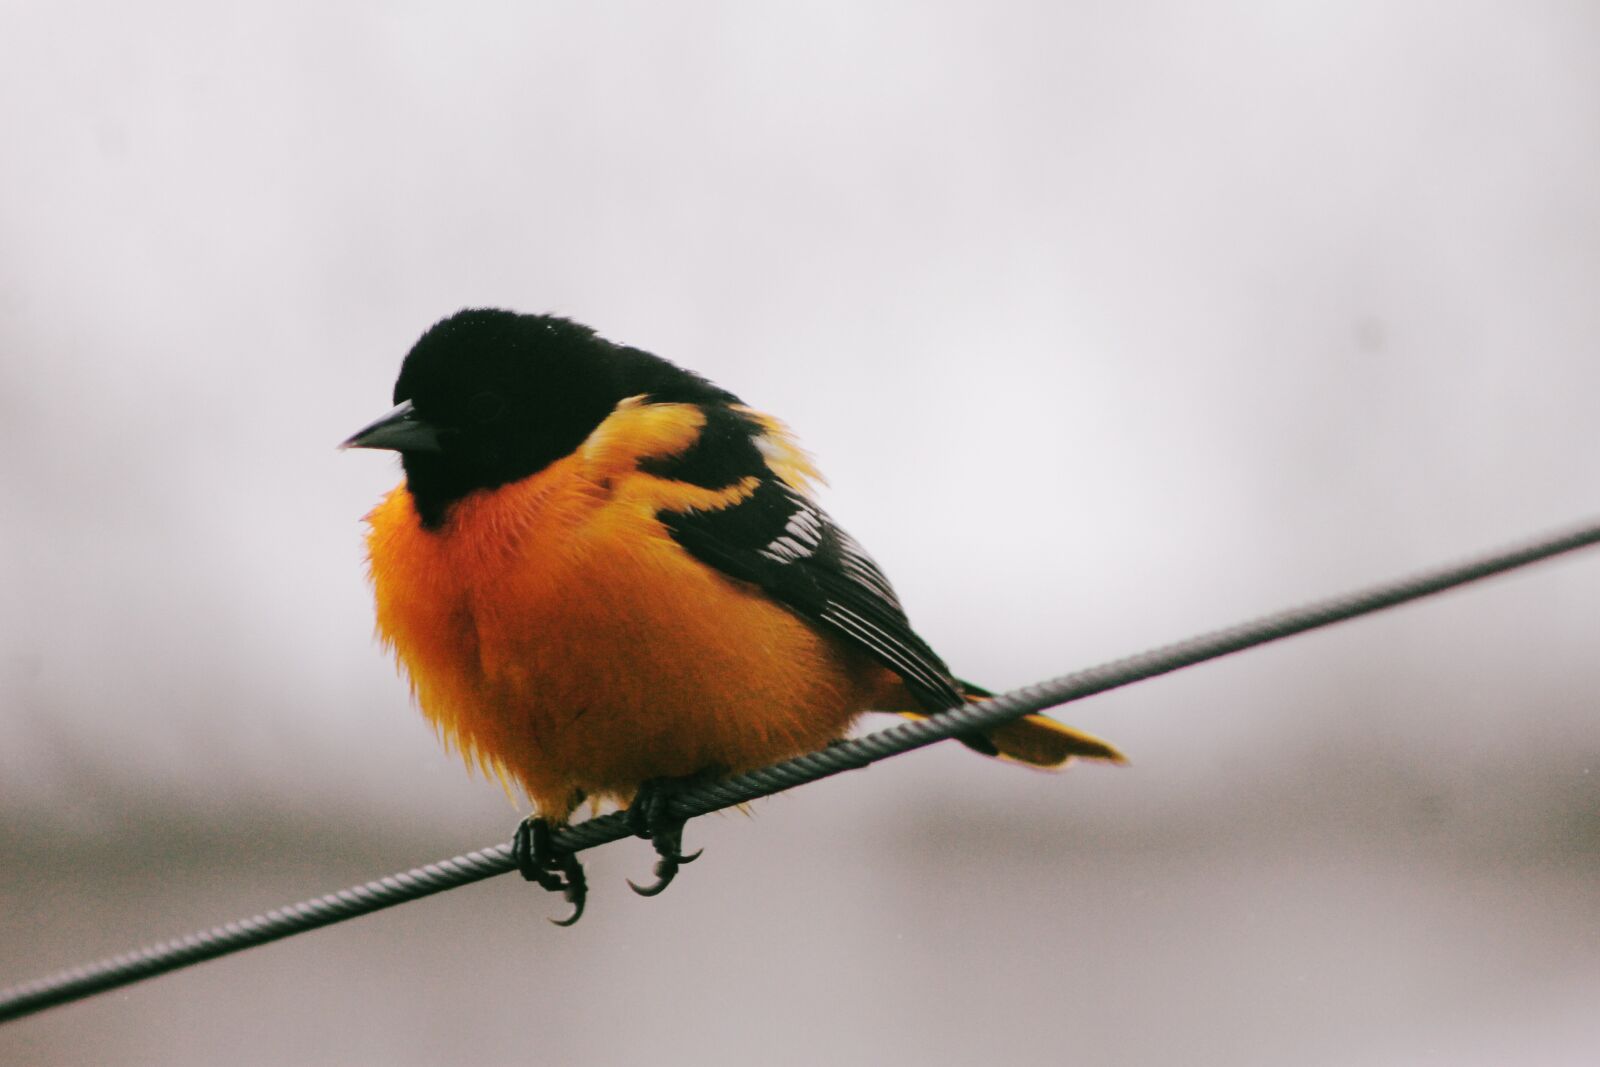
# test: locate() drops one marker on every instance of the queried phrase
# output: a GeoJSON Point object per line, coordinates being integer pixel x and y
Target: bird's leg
{"type": "Point", "coordinates": [650, 816]}
{"type": "Point", "coordinates": [556, 870]}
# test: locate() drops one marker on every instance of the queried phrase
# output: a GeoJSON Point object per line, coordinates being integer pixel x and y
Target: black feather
{"type": "Point", "coordinates": [780, 541]}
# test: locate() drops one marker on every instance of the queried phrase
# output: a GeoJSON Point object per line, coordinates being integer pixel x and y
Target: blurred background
{"type": "Point", "coordinates": [1108, 322]}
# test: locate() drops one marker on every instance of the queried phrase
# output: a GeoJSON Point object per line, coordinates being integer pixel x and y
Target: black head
{"type": "Point", "coordinates": [490, 397]}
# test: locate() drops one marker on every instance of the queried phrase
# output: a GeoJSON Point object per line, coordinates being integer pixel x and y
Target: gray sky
{"type": "Point", "coordinates": [1108, 323]}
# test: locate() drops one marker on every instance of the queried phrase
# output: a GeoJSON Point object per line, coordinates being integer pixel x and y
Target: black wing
{"type": "Point", "coordinates": [779, 540]}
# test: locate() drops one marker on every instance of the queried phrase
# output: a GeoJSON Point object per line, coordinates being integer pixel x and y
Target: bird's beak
{"type": "Point", "coordinates": [402, 430]}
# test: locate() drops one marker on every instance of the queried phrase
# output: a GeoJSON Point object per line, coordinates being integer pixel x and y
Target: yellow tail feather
{"type": "Point", "coordinates": [1039, 741]}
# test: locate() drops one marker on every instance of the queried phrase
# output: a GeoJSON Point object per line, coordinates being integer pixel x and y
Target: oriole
{"type": "Point", "coordinates": [603, 573]}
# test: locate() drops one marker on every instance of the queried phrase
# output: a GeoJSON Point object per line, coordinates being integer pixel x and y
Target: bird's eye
{"type": "Point", "coordinates": [486, 407]}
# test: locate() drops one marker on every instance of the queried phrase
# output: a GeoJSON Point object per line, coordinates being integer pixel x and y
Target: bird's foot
{"type": "Point", "coordinates": [557, 870]}
{"type": "Point", "coordinates": [650, 816]}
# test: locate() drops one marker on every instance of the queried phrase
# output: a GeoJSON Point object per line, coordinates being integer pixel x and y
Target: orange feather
{"type": "Point", "coordinates": [557, 636]}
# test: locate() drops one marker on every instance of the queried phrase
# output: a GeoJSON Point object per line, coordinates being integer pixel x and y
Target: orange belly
{"type": "Point", "coordinates": [556, 635]}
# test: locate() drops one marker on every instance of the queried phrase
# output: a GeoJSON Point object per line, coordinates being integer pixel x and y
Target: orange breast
{"type": "Point", "coordinates": [556, 635]}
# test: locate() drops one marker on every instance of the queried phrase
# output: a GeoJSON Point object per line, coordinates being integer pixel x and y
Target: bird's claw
{"type": "Point", "coordinates": [556, 870]}
{"type": "Point", "coordinates": [666, 870]}
{"type": "Point", "coordinates": [651, 818]}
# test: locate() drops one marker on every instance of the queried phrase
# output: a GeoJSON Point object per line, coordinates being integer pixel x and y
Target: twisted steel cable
{"type": "Point", "coordinates": [79, 982]}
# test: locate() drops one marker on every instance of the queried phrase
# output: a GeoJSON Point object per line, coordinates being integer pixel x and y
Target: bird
{"type": "Point", "coordinates": [606, 577]}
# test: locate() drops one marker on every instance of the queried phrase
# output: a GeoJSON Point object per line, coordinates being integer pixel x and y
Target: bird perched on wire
{"type": "Point", "coordinates": [605, 575]}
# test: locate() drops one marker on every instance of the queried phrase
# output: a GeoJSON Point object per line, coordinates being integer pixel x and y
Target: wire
{"type": "Point", "coordinates": [79, 982]}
